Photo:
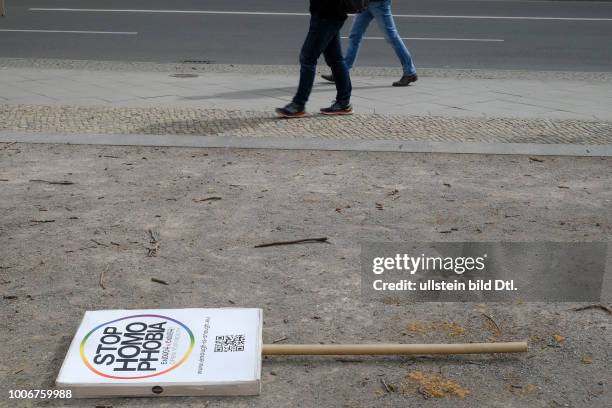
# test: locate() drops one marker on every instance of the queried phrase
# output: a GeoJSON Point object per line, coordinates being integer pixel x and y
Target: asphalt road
{"type": "Point", "coordinates": [493, 34]}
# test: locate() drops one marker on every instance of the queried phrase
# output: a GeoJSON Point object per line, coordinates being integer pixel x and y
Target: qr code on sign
{"type": "Point", "coordinates": [230, 342]}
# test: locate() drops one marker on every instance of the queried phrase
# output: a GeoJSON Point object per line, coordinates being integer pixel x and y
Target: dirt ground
{"type": "Point", "coordinates": [81, 244]}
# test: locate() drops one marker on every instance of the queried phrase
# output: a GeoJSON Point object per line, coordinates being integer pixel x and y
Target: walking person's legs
{"type": "Point", "coordinates": [320, 33]}
{"type": "Point", "coordinates": [323, 37]}
{"type": "Point", "coordinates": [384, 17]}
{"type": "Point", "coordinates": [314, 44]}
{"type": "Point", "coordinates": [335, 60]}
{"type": "Point", "coordinates": [359, 27]}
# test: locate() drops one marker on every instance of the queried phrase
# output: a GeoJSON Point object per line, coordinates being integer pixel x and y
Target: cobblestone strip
{"type": "Point", "coordinates": [216, 122]}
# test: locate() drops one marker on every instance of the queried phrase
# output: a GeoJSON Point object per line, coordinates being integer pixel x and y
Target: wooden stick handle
{"type": "Point", "coordinates": [386, 349]}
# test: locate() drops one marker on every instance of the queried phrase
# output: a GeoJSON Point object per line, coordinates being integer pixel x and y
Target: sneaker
{"type": "Point", "coordinates": [328, 77]}
{"type": "Point", "coordinates": [291, 110]}
{"type": "Point", "coordinates": [406, 80]}
{"type": "Point", "coordinates": [338, 109]}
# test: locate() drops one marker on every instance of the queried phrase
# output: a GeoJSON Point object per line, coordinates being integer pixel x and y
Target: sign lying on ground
{"type": "Point", "coordinates": [187, 352]}
{"type": "Point", "coordinates": [165, 352]}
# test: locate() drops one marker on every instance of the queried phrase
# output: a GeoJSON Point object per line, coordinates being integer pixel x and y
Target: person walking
{"type": "Point", "coordinates": [326, 19]}
{"type": "Point", "coordinates": [381, 11]}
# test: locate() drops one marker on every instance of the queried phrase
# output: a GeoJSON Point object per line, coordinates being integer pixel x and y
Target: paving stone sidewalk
{"type": "Point", "coordinates": [219, 122]}
{"type": "Point", "coordinates": [238, 101]}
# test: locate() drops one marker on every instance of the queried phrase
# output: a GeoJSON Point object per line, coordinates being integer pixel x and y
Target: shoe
{"type": "Point", "coordinates": [406, 80]}
{"type": "Point", "coordinates": [338, 109]}
{"type": "Point", "coordinates": [291, 110]}
{"type": "Point", "coordinates": [328, 77]}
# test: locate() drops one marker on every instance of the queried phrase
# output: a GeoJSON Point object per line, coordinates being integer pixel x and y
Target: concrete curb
{"type": "Point", "coordinates": [280, 143]}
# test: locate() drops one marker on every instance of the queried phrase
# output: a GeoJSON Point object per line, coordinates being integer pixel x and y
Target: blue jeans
{"type": "Point", "coordinates": [323, 38]}
{"type": "Point", "coordinates": [381, 11]}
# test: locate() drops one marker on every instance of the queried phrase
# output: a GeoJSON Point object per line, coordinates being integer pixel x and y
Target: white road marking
{"type": "Point", "coordinates": [437, 39]}
{"type": "Point", "coordinates": [253, 13]}
{"type": "Point", "coordinates": [505, 17]}
{"type": "Point", "coordinates": [266, 13]}
{"type": "Point", "coordinates": [69, 31]}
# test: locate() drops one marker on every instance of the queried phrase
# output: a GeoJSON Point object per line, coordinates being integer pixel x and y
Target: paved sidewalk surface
{"type": "Point", "coordinates": [431, 95]}
{"type": "Point", "coordinates": [238, 101]}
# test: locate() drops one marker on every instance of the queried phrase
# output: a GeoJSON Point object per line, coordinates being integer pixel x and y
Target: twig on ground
{"type": "Point", "coordinates": [424, 393]}
{"type": "Point", "coordinates": [101, 281]}
{"type": "Point", "coordinates": [387, 387]}
{"type": "Point", "coordinates": [41, 221]}
{"type": "Point", "coordinates": [154, 240]}
{"type": "Point", "coordinates": [348, 360]}
{"type": "Point", "coordinates": [597, 306]}
{"type": "Point", "coordinates": [490, 319]}
{"type": "Point", "coordinates": [297, 241]}
{"type": "Point", "coordinates": [61, 182]}
{"type": "Point", "coordinates": [281, 339]}
{"type": "Point", "coordinates": [160, 281]}
{"type": "Point", "coordinates": [84, 248]}
{"type": "Point", "coordinates": [200, 200]}
{"type": "Point", "coordinates": [154, 235]}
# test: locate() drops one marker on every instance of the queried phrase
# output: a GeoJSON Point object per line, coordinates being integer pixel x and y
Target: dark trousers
{"type": "Point", "coordinates": [323, 38]}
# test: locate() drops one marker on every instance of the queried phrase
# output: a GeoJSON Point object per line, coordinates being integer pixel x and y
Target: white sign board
{"type": "Point", "coordinates": [172, 352]}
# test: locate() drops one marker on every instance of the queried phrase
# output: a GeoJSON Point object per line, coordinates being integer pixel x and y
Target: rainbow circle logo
{"type": "Point", "coordinates": [187, 346]}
